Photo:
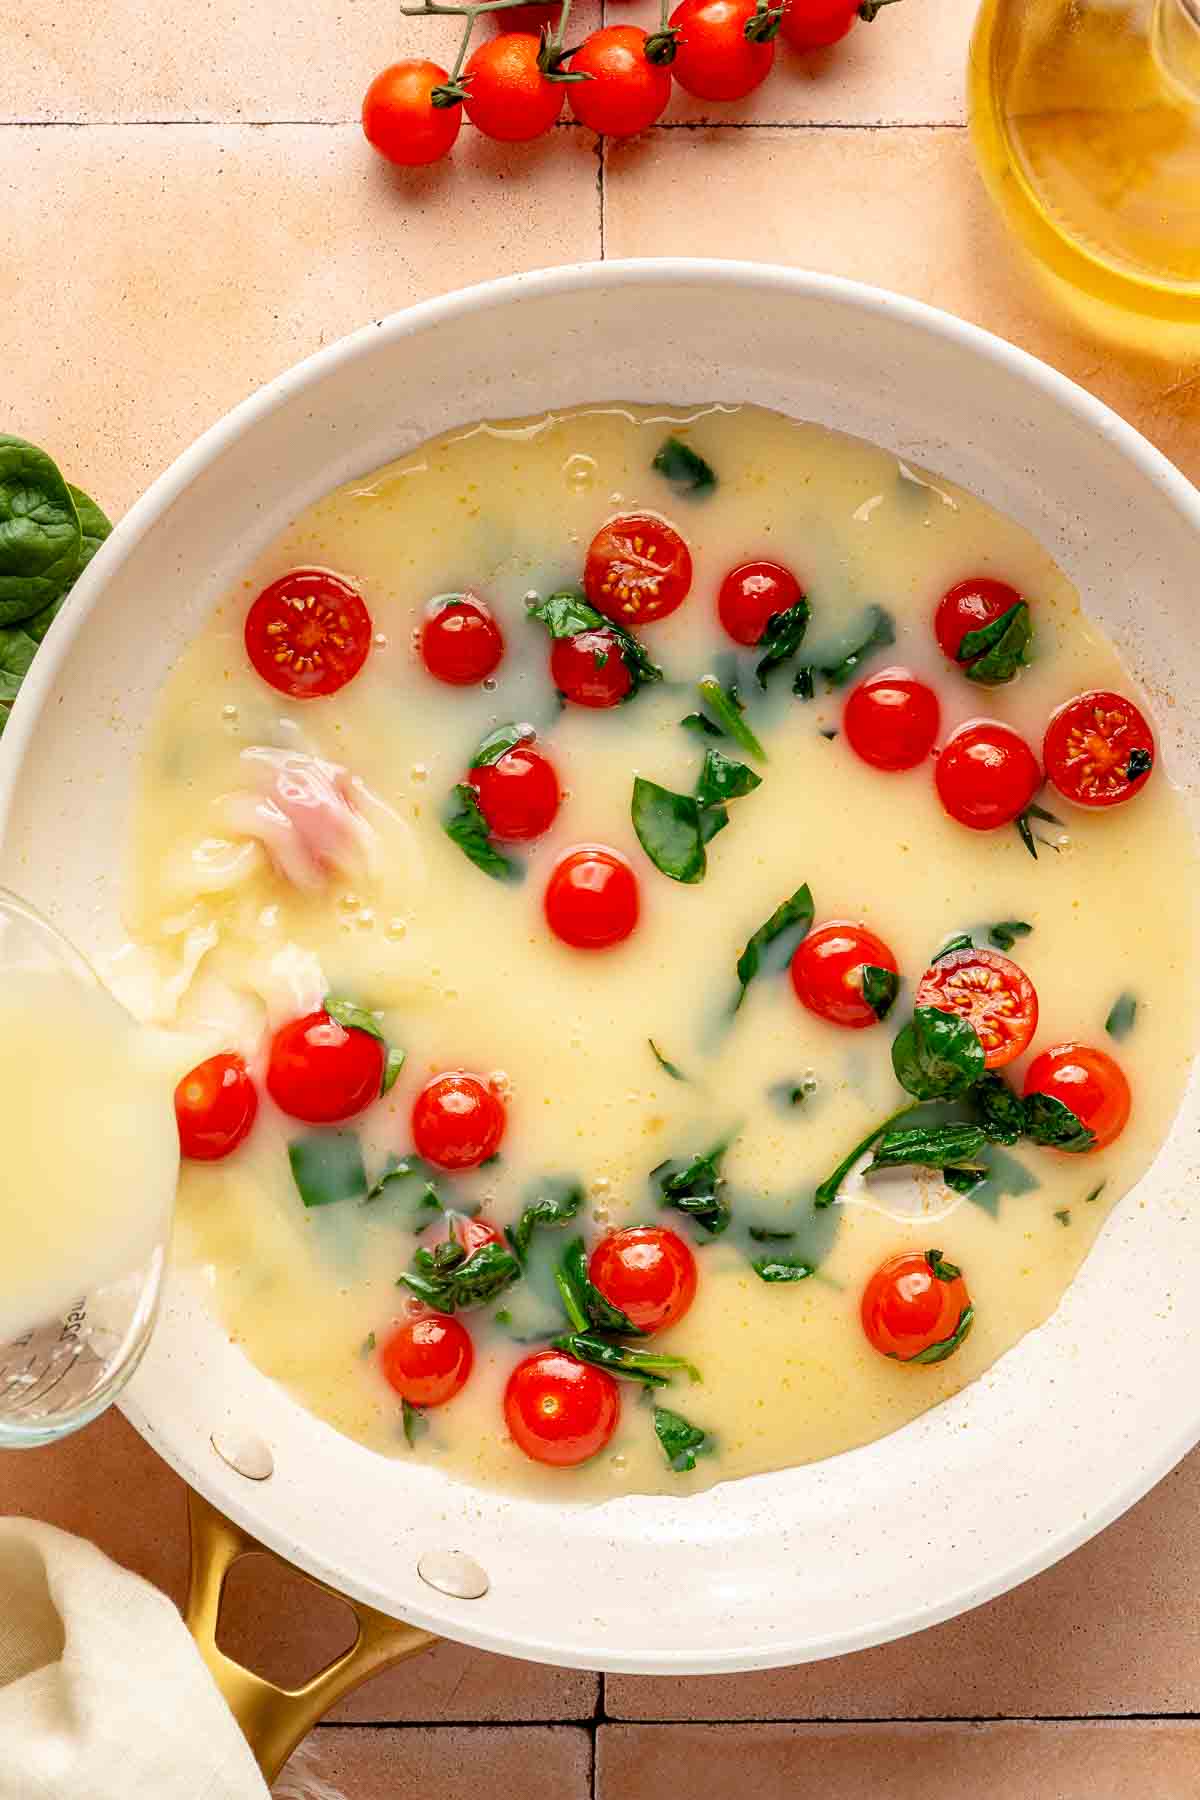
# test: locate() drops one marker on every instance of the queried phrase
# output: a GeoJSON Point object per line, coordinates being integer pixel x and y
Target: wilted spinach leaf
{"type": "Point", "coordinates": [447, 1277]}
{"type": "Point", "coordinates": [772, 946]}
{"type": "Point", "coordinates": [1122, 1016]}
{"type": "Point", "coordinates": [879, 989]}
{"type": "Point", "coordinates": [687, 472]}
{"type": "Point", "coordinates": [567, 614]}
{"type": "Point", "coordinates": [998, 1110]}
{"type": "Point", "coordinates": [1050, 1123]}
{"type": "Point", "coordinates": [555, 1201]}
{"type": "Point", "coordinates": [781, 639]}
{"type": "Point", "coordinates": [1005, 934]}
{"type": "Point", "coordinates": [650, 1368]}
{"type": "Point", "coordinates": [727, 709]}
{"type": "Point", "coordinates": [672, 1069]}
{"type": "Point", "coordinates": [938, 1055]}
{"type": "Point", "coordinates": [585, 1306]}
{"type": "Point", "coordinates": [696, 1188]}
{"type": "Point", "coordinates": [681, 1442]}
{"type": "Point", "coordinates": [466, 826]}
{"type": "Point", "coordinates": [327, 1166]}
{"type": "Point", "coordinates": [995, 652]}
{"type": "Point", "coordinates": [498, 743]}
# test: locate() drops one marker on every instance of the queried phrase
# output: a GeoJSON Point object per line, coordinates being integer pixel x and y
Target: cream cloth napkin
{"type": "Point", "coordinates": [102, 1693]}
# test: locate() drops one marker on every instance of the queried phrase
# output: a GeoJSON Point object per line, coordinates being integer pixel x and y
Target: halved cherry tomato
{"type": "Point", "coordinates": [827, 972]}
{"type": "Point", "coordinates": [592, 898]}
{"type": "Point", "coordinates": [324, 1072]}
{"type": "Point", "coordinates": [1090, 1083]}
{"type": "Point", "coordinates": [891, 720]}
{"type": "Point", "coordinates": [638, 569]}
{"type": "Point", "coordinates": [916, 1307]}
{"type": "Point", "coordinates": [725, 48]}
{"type": "Point", "coordinates": [458, 1121]}
{"type": "Point", "coordinates": [969, 606]}
{"type": "Point", "coordinates": [626, 92]}
{"type": "Point", "coordinates": [1099, 749]}
{"type": "Point", "coordinates": [647, 1271]}
{"type": "Point", "coordinates": [215, 1106]}
{"type": "Point", "coordinates": [508, 94]}
{"type": "Point", "coordinates": [461, 642]}
{"type": "Point", "coordinates": [400, 119]}
{"type": "Point", "coordinates": [589, 669]}
{"type": "Point", "coordinates": [750, 597]}
{"type": "Point", "coordinates": [308, 634]}
{"type": "Point", "coordinates": [427, 1361]}
{"type": "Point", "coordinates": [991, 993]}
{"type": "Point", "coordinates": [812, 24]}
{"type": "Point", "coordinates": [558, 1410]}
{"type": "Point", "coordinates": [986, 774]}
{"type": "Point", "coordinates": [518, 794]}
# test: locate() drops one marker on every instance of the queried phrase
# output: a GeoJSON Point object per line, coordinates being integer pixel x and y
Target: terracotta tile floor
{"type": "Point", "coordinates": [188, 208]}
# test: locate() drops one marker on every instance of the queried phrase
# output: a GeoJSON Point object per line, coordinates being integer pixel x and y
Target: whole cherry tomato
{"type": "Point", "coordinates": [427, 1361]}
{"type": "Point", "coordinates": [509, 96]}
{"type": "Point", "coordinates": [533, 17]}
{"type": "Point", "coordinates": [324, 1072]}
{"type": "Point", "coordinates": [457, 1121]}
{"type": "Point", "coordinates": [725, 48]}
{"type": "Point", "coordinates": [986, 774]}
{"type": "Point", "coordinates": [1089, 1083]}
{"type": "Point", "coordinates": [308, 634]}
{"type": "Point", "coordinates": [638, 569]}
{"type": "Point", "coordinates": [592, 898]}
{"type": "Point", "coordinates": [828, 969]}
{"type": "Point", "coordinates": [812, 24]}
{"type": "Point", "coordinates": [400, 118]}
{"type": "Point", "coordinates": [518, 794]}
{"type": "Point", "coordinates": [215, 1106]}
{"type": "Point", "coordinates": [558, 1410]}
{"type": "Point", "coordinates": [750, 597]}
{"type": "Point", "coordinates": [461, 643]}
{"type": "Point", "coordinates": [916, 1308]}
{"type": "Point", "coordinates": [648, 1272]}
{"type": "Point", "coordinates": [969, 606]}
{"type": "Point", "coordinates": [626, 92]}
{"type": "Point", "coordinates": [891, 720]}
{"type": "Point", "coordinates": [1099, 749]}
{"type": "Point", "coordinates": [589, 669]}
{"type": "Point", "coordinates": [988, 990]}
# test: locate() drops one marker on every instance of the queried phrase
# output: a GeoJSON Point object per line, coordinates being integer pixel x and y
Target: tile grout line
{"type": "Point", "coordinates": [1123, 1718]}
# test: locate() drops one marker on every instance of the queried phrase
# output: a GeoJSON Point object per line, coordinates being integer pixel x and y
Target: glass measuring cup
{"type": "Point", "coordinates": [59, 1372]}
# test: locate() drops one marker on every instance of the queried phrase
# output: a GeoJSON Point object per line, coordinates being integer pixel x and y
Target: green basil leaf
{"type": "Point", "coordinates": [1049, 1123]}
{"type": "Point", "coordinates": [41, 539]}
{"type": "Point", "coordinates": [696, 1188]}
{"type": "Point", "coordinates": [712, 820]}
{"type": "Point", "coordinates": [681, 1442]}
{"type": "Point", "coordinates": [995, 652]}
{"type": "Point", "coordinates": [727, 709]}
{"type": "Point", "coordinates": [1026, 832]}
{"type": "Point", "coordinates": [449, 1282]}
{"type": "Point", "coordinates": [964, 1181]}
{"type": "Point", "coordinates": [879, 989]}
{"type": "Point", "coordinates": [964, 941]}
{"type": "Point", "coordinates": [722, 779]}
{"type": "Point", "coordinates": [353, 1018]}
{"type": "Point", "coordinates": [938, 1055]}
{"type": "Point", "coordinates": [415, 1422]}
{"type": "Point", "coordinates": [762, 1234]}
{"type": "Point", "coordinates": [781, 1268]}
{"type": "Point", "coordinates": [879, 630]}
{"type": "Point", "coordinates": [1064, 1215]}
{"type": "Point", "coordinates": [1121, 1017]}
{"type": "Point", "coordinates": [556, 1201]}
{"type": "Point", "coordinates": [829, 1189]}
{"type": "Point", "coordinates": [940, 1269]}
{"type": "Point", "coordinates": [782, 638]}
{"type": "Point", "coordinates": [1005, 934]}
{"type": "Point", "coordinates": [937, 1353]}
{"type": "Point", "coordinates": [668, 829]}
{"type": "Point", "coordinates": [672, 1069]}
{"type": "Point", "coordinates": [650, 1368]}
{"type": "Point", "coordinates": [392, 1066]}
{"type": "Point", "coordinates": [466, 826]}
{"type": "Point", "coordinates": [327, 1166]}
{"type": "Point", "coordinates": [702, 727]}
{"type": "Point", "coordinates": [998, 1110]}
{"type": "Point", "coordinates": [773, 945]}
{"type": "Point", "coordinates": [687, 472]}
{"type": "Point", "coordinates": [498, 743]}
{"type": "Point", "coordinates": [567, 614]}
{"type": "Point", "coordinates": [1140, 764]}
{"type": "Point", "coordinates": [928, 1146]}
{"type": "Point", "coordinates": [586, 1307]}
{"type": "Point", "coordinates": [803, 686]}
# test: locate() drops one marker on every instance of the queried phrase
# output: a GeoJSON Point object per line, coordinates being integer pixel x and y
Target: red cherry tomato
{"type": "Point", "coordinates": [969, 606]}
{"type": "Point", "coordinates": [532, 17]}
{"type": "Point", "coordinates": [991, 993]}
{"type": "Point", "coordinates": [400, 119]}
{"type": "Point", "coordinates": [750, 597]}
{"type": "Point", "coordinates": [508, 95]}
{"type": "Point", "coordinates": [518, 794]}
{"type": "Point", "coordinates": [812, 24]}
{"type": "Point", "coordinates": [648, 1272]}
{"type": "Point", "coordinates": [589, 669]}
{"type": "Point", "coordinates": [457, 1121]}
{"type": "Point", "coordinates": [913, 1304]}
{"type": "Point", "coordinates": [986, 774]}
{"type": "Point", "coordinates": [472, 1234]}
{"type": "Point", "coordinates": [714, 57]}
{"type": "Point", "coordinates": [627, 92]}
{"type": "Point", "coordinates": [892, 719]}
{"type": "Point", "coordinates": [638, 569]}
{"type": "Point", "coordinates": [322, 1071]}
{"type": "Point", "coordinates": [1099, 749]}
{"type": "Point", "coordinates": [427, 1361]}
{"type": "Point", "coordinates": [215, 1106]}
{"type": "Point", "coordinates": [308, 634]}
{"type": "Point", "coordinates": [592, 898]}
{"type": "Point", "coordinates": [827, 972]}
{"type": "Point", "coordinates": [558, 1410]}
{"type": "Point", "coordinates": [461, 642]}
{"type": "Point", "coordinates": [1090, 1083]}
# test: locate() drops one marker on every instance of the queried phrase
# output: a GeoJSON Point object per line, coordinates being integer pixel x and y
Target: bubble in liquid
{"type": "Point", "coordinates": [365, 919]}
{"type": "Point", "coordinates": [229, 712]}
{"type": "Point", "coordinates": [489, 684]}
{"type": "Point", "coordinates": [349, 902]}
{"type": "Point", "coordinates": [397, 928]}
{"type": "Point", "coordinates": [619, 1463]}
{"type": "Point", "coordinates": [500, 1081]}
{"type": "Point", "coordinates": [380, 639]}
{"type": "Point", "coordinates": [579, 472]}
{"type": "Point", "coordinates": [419, 772]}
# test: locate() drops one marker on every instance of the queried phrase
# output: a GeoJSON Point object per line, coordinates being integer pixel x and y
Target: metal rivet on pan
{"type": "Point", "coordinates": [450, 1572]}
{"type": "Point", "coordinates": [248, 1455]}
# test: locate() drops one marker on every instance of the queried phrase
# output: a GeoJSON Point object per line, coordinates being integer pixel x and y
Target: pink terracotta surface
{"type": "Point", "coordinates": [189, 208]}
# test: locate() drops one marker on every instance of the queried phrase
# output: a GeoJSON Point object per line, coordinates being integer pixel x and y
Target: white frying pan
{"type": "Point", "coordinates": [1066, 1430]}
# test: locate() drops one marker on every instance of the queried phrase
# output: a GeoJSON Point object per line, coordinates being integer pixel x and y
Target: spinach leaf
{"type": "Point", "coordinates": [1095, 1193]}
{"type": "Point", "coordinates": [1121, 1017]}
{"type": "Point", "coordinates": [668, 829]}
{"type": "Point", "coordinates": [498, 743]}
{"type": "Point", "coordinates": [964, 1181]}
{"type": "Point", "coordinates": [447, 1278]}
{"type": "Point", "coordinates": [696, 1188]}
{"type": "Point", "coordinates": [781, 639]}
{"type": "Point", "coordinates": [41, 539]}
{"type": "Point", "coordinates": [1025, 830]}
{"type": "Point", "coordinates": [415, 1422]}
{"type": "Point", "coordinates": [938, 1055]}
{"type": "Point", "coordinates": [937, 1353]}
{"type": "Point", "coordinates": [803, 686]}
{"type": "Point", "coordinates": [368, 1345]}
{"type": "Point", "coordinates": [327, 1166]}
{"type": "Point", "coordinates": [1050, 1123]}
{"type": "Point", "coordinates": [1005, 934]}
{"type": "Point", "coordinates": [681, 1442]}
{"type": "Point", "coordinates": [995, 652]}
{"type": "Point", "coordinates": [1064, 1216]}
{"type": "Point", "coordinates": [722, 779]}
{"type": "Point", "coordinates": [584, 1304]}
{"type": "Point", "coordinates": [17, 651]}
{"type": "Point", "coordinates": [567, 614]}
{"type": "Point", "coordinates": [702, 727]}
{"type": "Point", "coordinates": [467, 827]}
{"type": "Point", "coordinates": [687, 472]}
{"type": "Point", "coordinates": [712, 820]}
{"type": "Point", "coordinates": [398, 1172]}
{"type": "Point", "coordinates": [929, 1147]}
{"type": "Point", "coordinates": [1140, 763]}
{"type": "Point", "coordinates": [998, 1111]}
{"type": "Point", "coordinates": [93, 525]}
{"type": "Point", "coordinates": [781, 1268]}
{"type": "Point", "coordinates": [672, 1069]}
{"type": "Point", "coordinates": [787, 1094]}
{"type": "Point", "coordinates": [357, 1018]}
{"type": "Point", "coordinates": [829, 1189]}
{"type": "Point", "coordinates": [556, 1202]}
{"type": "Point", "coordinates": [879, 631]}
{"type": "Point", "coordinates": [787, 926]}
{"type": "Point", "coordinates": [964, 941]}
{"type": "Point", "coordinates": [651, 1368]}
{"type": "Point", "coordinates": [727, 709]}
{"type": "Point", "coordinates": [879, 989]}
{"type": "Point", "coordinates": [762, 1234]}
